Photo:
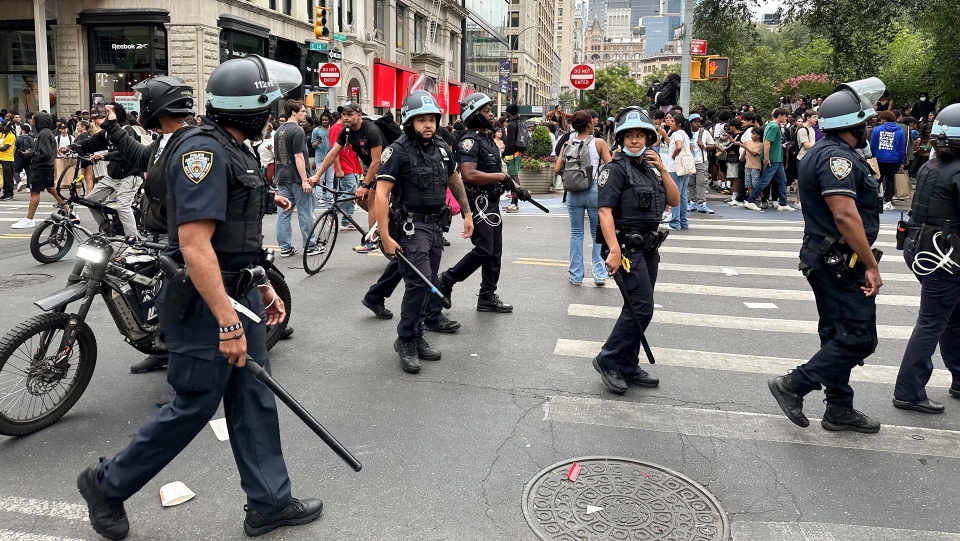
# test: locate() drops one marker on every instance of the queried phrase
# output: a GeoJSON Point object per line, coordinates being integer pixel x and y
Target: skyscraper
{"type": "Point", "coordinates": [659, 32]}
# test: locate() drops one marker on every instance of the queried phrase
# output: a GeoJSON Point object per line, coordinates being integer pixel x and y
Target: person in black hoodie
{"type": "Point", "coordinates": [40, 172]}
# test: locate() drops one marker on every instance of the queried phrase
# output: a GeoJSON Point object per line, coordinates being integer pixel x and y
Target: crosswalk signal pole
{"type": "Point", "coordinates": [685, 56]}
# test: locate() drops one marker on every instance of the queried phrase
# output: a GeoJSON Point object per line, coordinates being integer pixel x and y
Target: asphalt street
{"type": "Point", "coordinates": [447, 453]}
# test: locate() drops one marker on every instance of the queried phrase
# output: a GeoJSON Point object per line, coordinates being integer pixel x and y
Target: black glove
{"type": "Point", "coordinates": [522, 193]}
{"type": "Point", "coordinates": [508, 184]}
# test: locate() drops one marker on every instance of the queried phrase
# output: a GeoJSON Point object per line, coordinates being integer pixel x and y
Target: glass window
{"type": "Point", "coordinates": [401, 25]}
{"type": "Point", "coordinates": [482, 53]}
{"type": "Point", "coordinates": [378, 16]}
{"type": "Point", "coordinates": [492, 12]}
{"type": "Point", "coordinates": [18, 92]}
{"type": "Point", "coordinates": [419, 29]}
{"type": "Point", "coordinates": [273, 4]}
{"type": "Point", "coordinates": [287, 7]}
{"type": "Point", "coordinates": [514, 19]}
{"type": "Point", "coordinates": [514, 43]}
{"type": "Point", "coordinates": [310, 11]}
{"type": "Point", "coordinates": [20, 50]}
{"type": "Point", "coordinates": [121, 48]}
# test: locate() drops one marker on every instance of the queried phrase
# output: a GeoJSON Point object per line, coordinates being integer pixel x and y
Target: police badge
{"type": "Point", "coordinates": [602, 179]}
{"type": "Point", "coordinates": [466, 145]}
{"type": "Point", "coordinates": [197, 164]}
{"type": "Point", "coordinates": [387, 152]}
{"type": "Point", "coordinates": [840, 167]}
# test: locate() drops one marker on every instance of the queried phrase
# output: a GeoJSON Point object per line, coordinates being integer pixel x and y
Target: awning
{"type": "Point", "coordinates": [384, 82]}
{"type": "Point", "coordinates": [403, 77]}
{"type": "Point", "coordinates": [454, 91]}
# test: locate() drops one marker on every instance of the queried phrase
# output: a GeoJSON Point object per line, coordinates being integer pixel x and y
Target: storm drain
{"type": "Point", "coordinates": [17, 281]}
{"type": "Point", "coordinates": [623, 499]}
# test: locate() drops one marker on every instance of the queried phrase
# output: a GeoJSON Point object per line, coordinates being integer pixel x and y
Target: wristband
{"type": "Point", "coordinates": [237, 336]}
{"type": "Point", "coordinates": [236, 326]}
{"type": "Point", "coordinates": [364, 185]}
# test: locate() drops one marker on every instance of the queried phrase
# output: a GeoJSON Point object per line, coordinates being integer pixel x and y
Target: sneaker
{"type": "Point", "coordinates": [845, 418]}
{"type": "Point", "coordinates": [642, 378]}
{"type": "Point", "coordinates": [726, 191]}
{"type": "Point", "coordinates": [151, 363]}
{"type": "Point", "coordinates": [6, 198]}
{"type": "Point", "coordinates": [574, 282]}
{"type": "Point", "coordinates": [796, 205]}
{"type": "Point", "coordinates": [600, 282]}
{"type": "Point", "coordinates": [25, 223]}
{"type": "Point", "coordinates": [734, 203]}
{"type": "Point", "coordinates": [347, 227]}
{"type": "Point", "coordinates": [445, 286]}
{"type": "Point", "coordinates": [22, 185]}
{"type": "Point", "coordinates": [316, 250]}
{"type": "Point", "coordinates": [691, 207]}
{"type": "Point", "coordinates": [511, 209]}
{"type": "Point", "coordinates": [297, 513]}
{"type": "Point", "coordinates": [704, 209]}
{"type": "Point", "coordinates": [366, 248]}
{"type": "Point", "coordinates": [287, 252]}
{"type": "Point", "coordinates": [749, 205]}
{"type": "Point", "coordinates": [107, 516]}
{"type": "Point", "coordinates": [889, 206]}
{"type": "Point", "coordinates": [786, 208]}
{"type": "Point", "coordinates": [764, 205]}
{"type": "Point", "coordinates": [666, 217]}
{"type": "Point", "coordinates": [671, 228]}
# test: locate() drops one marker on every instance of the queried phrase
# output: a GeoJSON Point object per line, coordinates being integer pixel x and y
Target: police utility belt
{"type": "Point", "coordinates": [837, 258]}
{"type": "Point", "coordinates": [181, 292]}
{"type": "Point", "coordinates": [632, 240]}
{"type": "Point", "coordinates": [402, 220]}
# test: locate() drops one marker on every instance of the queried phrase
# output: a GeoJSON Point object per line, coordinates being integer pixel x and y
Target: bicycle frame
{"type": "Point", "coordinates": [344, 197]}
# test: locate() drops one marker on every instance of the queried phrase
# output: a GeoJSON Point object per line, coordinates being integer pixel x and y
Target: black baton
{"type": "Point", "coordinates": [633, 315]}
{"type": "Point", "coordinates": [538, 205]}
{"type": "Point", "coordinates": [433, 289]}
{"type": "Point", "coordinates": [303, 414]}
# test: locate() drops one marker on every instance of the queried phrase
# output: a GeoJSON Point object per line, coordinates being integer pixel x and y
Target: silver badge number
{"type": "Point", "coordinates": [466, 145]}
{"type": "Point", "coordinates": [602, 179]}
{"type": "Point", "coordinates": [387, 152]}
{"type": "Point", "coordinates": [841, 167]}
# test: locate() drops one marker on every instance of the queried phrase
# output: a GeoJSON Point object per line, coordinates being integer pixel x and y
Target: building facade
{"type": "Point", "coordinates": [566, 40]}
{"type": "Point", "coordinates": [601, 52]}
{"type": "Point", "coordinates": [530, 30]}
{"type": "Point", "coordinates": [659, 33]}
{"type": "Point", "coordinates": [486, 59]}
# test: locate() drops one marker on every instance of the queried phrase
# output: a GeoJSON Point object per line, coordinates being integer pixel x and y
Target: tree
{"type": "Point", "coordinates": [937, 21]}
{"type": "Point", "coordinates": [540, 146]}
{"type": "Point", "coordinates": [615, 86]}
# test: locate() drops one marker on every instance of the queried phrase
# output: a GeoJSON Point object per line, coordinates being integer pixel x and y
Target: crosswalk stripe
{"type": "Point", "coordinates": [792, 254]}
{"type": "Point", "coordinates": [31, 506]}
{"type": "Point", "coordinates": [815, 531]}
{"type": "Point", "coordinates": [772, 228]}
{"type": "Point", "coordinates": [756, 240]}
{"type": "Point", "coordinates": [10, 535]}
{"type": "Point", "coordinates": [740, 425]}
{"type": "Point", "coordinates": [751, 364]}
{"type": "Point", "coordinates": [775, 294]}
{"type": "Point", "coordinates": [730, 322]}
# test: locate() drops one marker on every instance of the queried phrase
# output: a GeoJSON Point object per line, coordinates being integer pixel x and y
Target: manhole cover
{"type": "Point", "coordinates": [622, 499]}
{"type": "Point", "coordinates": [23, 280]}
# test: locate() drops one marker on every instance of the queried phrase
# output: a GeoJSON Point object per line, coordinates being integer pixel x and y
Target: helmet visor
{"type": "Point", "coordinates": [286, 77]}
{"type": "Point", "coordinates": [868, 90]}
{"type": "Point", "coordinates": [422, 82]}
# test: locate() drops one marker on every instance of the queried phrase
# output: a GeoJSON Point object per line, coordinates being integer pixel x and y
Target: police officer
{"type": "Point", "coordinates": [631, 201]}
{"type": "Point", "coordinates": [416, 170]}
{"type": "Point", "coordinates": [934, 217]}
{"type": "Point", "coordinates": [216, 200]}
{"type": "Point", "coordinates": [480, 168]}
{"type": "Point", "coordinates": [841, 213]}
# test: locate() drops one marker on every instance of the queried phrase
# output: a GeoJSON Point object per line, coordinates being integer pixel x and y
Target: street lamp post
{"type": "Point", "coordinates": [685, 56]}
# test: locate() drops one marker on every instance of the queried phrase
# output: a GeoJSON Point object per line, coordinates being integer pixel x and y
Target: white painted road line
{"type": "Point", "coordinates": [755, 227]}
{"type": "Point", "coordinates": [772, 294]}
{"type": "Point", "coordinates": [750, 364]}
{"type": "Point", "coordinates": [668, 249]}
{"type": "Point", "coordinates": [739, 425]}
{"type": "Point", "coordinates": [730, 322]}
{"type": "Point", "coordinates": [9, 535]}
{"type": "Point", "coordinates": [814, 531]}
{"type": "Point", "coordinates": [757, 240]}
{"type": "Point", "coordinates": [30, 506]}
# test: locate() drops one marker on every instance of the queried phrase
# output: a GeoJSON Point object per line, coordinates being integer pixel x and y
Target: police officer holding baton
{"type": "Point", "coordinates": [216, 199]}
{"type": "Point", "coordinates": [841, 213]}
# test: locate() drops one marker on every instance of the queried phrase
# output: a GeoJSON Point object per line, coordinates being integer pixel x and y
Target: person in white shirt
{"type": "Point", "coordinates": [702, 144]}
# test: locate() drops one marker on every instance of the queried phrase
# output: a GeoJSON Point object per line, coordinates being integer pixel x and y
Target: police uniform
{"type": "Point", "coordinates": [419, 174]}
{"type": "Point", "coordinates": [935, 203]}
{"type": "Point", "coordinates": [211, 177]}
{"type": "Point", "coordinates": [848, 318]}
{"type": "Point", "coordinates": [637, 199]}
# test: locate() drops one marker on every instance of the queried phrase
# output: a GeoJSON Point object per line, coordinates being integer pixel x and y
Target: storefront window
{"type": "Point", "coordinates": [18, 70]}
{"type": "Point", "coordinates": [122, 56]}
{"type": "Point", "coordinates": [240, 44]}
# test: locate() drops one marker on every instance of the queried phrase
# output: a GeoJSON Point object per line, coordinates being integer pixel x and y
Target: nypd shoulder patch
{"type": "Point", "coordinates": [385, 155]}
{"type": "Point", "coordinates": [197, 164]}
{"type": "Point", "coordinates": [602, 179]}
{"type": "Point", "coordinates": [466, 144]}
{"type": "Point", "coordinates": [841, 167]}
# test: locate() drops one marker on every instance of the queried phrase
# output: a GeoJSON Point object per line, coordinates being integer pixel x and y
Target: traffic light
{"type": "Point", "coordinates": [320, 29]}
{"type": "Point", "coordinates": [718, 68]}
{"type": "Point", "coordinates": [695, 71]}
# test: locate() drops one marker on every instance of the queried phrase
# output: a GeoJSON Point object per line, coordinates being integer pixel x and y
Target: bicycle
{"type": "Point", "coordinates": [325, 229]}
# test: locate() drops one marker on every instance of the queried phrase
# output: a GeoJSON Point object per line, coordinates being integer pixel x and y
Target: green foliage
{"type": "Point", "coordinates": [615, 86]}
{"type": "Point", "coordinates": [539, 143]}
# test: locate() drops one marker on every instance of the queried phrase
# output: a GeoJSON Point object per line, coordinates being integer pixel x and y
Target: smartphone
{"type": "Point", "coordinates": [98, 106]}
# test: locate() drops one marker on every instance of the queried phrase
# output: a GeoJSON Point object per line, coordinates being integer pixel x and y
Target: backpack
{"type": "Point", "coordinates": [665, 94]}
{"type": "Point", "coordinates": [523, 136]}
{"type": "Point", "coordinates": [577, 172]}
{"type": "Point", "coordinates": [145, 137]}
{"type": "Point", "coordinates": [390, 130]}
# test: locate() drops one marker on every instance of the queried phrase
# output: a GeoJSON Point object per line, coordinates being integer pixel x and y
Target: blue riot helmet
{"type": "Point", "coordinates": [850, 105]}
{"type": "Point", "coordinates": [634, 117]}
{"type": "Point", "coordinates": [421, 99]}
{"type": "Point", "coordinates": [946, 128]}
{"type": "Point", "coordinates": [470, 108]}
{"type": "Point", "coordinates": [240, 91]}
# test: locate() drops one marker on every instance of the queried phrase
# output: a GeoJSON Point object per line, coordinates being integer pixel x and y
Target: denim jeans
{"type": "Point", "coordinates": [302, 203]}
{"type": "Point", "coordinates": [678, 214]}
{"type": "Point", "coordinates": [326, 179]}
{"type": "Point", "coordinates": [577, 204]}
{"type": "Point", "coordinates": [775, 169]}
{"type": "Point", "coordinates": [348, 184]}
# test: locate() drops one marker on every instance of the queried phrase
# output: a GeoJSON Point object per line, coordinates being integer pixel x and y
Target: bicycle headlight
{"type": "Point", "coordinates": [90, 253]}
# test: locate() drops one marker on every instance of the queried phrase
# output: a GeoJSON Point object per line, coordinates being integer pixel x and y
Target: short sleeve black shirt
{"type": "Point", "coordinates": [290, 141]}
{"type": "Point", "coordinates": [362, 140]}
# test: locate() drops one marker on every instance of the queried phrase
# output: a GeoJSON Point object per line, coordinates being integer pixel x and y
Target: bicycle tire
{"type": "Point", "coordinates": [325, 230]}
{"type": "Point", "coordinates": [283, 291]}
{"type": "Point", "coordinates": [60, 234]}
{"type": "Point", "coordinates": [86, 346]}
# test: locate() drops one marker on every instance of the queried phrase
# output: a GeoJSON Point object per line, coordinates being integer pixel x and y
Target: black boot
{"type": "Point", "coordinates": [441, 324]}
{"type": "Point", "coordinates": [642, 378]}
{"type": "Point", "coordinates": [107, 516]}
{"type": "Point", "coordinates": [287, 333]}
{"type": "Point", "coordinates": [408, 355]}
{"type": "Point", "coordinates": [297, 513]}
{"type": "Point", "coordinates": [151, 363]}
{"type": "Point", "coordinates": [425, 352]}
{"type": "Point", "coordinates": [446, 287]}
{"type": "Point", "coordinates": [790, 402]}
{"type": "Point", "coordinates": [490, 302]}
{"type": "Point", "coordinates": [955, 389]}
{"type": "Point", "coordinates": [839, 418]}
{"type": "Point", "coordinates": [612, 379]}
{"type": "Point", "coordinates": [378, 310]}
{"type": "Point", "coordinates": [166, 397]}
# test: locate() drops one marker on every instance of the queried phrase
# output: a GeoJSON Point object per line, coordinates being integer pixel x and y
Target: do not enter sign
{"type": "Point", "coordinates": [329, 75]}
{"type": "Point", "coordinates": [582, 77]}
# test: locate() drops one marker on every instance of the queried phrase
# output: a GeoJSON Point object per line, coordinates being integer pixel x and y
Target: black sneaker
{"type": "Point", "coordinates": [445, 241]}
{"type": "Point", "coordinates": [167, 397]}
{"type": "Point", "coordinates": [490, 302]}
{"type": "Point", "coordinates": [408, 355]}
{"type": "Point", "coordinates": [425, 352]}
{"type": "Point", "coordinates": [790, 402]}
{"type": "Point", "coordinates": [151, 363]}
{"type": "Point", "coordinates": [378, 310]}
{"type": "Point", "coordinates": [642, 378]}
{"type": "Point", "coordinates": [287, 252]}
{"type": "Point", "coordinates": [297, 513]}
{"type": "Point", "coordinates": [955, 389]}
{"type": "Point", "coordinates": [611, 378]}
{"type": "Point", "coordinates": [841, 418]}
{"type": "Point", "coordinates": [107, 516]}
{"type": "Point", "coordinates": [445, 287]}
{"type": "Point", "coordinates": [441, 324]}
{"type": "Point", "coordinates": [287, 333]}
{"type": "Point", "coordinates": [10, 198]}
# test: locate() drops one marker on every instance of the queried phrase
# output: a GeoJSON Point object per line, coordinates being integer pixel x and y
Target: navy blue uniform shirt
{"type": "Point", "coordinates": [638, 204]}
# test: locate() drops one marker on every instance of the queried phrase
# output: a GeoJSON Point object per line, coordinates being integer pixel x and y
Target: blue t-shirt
{"type": "Point", "coordinates": [322, 135]}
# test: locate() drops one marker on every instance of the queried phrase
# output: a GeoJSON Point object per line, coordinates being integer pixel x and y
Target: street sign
{"type": "Point", "coordinates": [334, 54]}
{"type": "Point", "coordinates": [339, 37]}
{"type": "Point", "coordinates": [318, 46]}
{"type": "Point", "coordinates": [698, 46]}
{"type": "Point", "coordinates": [582, 77]}
{"type": "Point", "coordinates": [329, 75]}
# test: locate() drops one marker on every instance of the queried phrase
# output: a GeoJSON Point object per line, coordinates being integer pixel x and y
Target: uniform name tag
{"type": "Point", "coordinates": [197, 164]}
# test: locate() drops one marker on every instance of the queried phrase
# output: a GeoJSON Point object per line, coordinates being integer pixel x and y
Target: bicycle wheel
{"type": "Point", "coordinates": [325, 231]}
{"type": "Point", "coordinates": [39, 379]}
{"type": "Point", "coordinates": [51, 242]}
{"type": "Point", "coordinates": [283, 291]}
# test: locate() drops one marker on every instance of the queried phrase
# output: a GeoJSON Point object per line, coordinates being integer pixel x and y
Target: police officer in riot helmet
{"type": "Point", "coordinates": [415, 171]}
{"type": "Point", "coordinates": [485, 182]}
{"type": "Point", "coordinates": [932, 251]}
{"type": "Point", "coordinates": [216, 200]}
{"type": "Point", "coordinates": [631, 199]}
{"type": "Point", "coordinates": [841, 213]}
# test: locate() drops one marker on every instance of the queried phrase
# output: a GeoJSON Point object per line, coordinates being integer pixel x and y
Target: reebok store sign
{"type": "Point", "coordinates": [127, 46]}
